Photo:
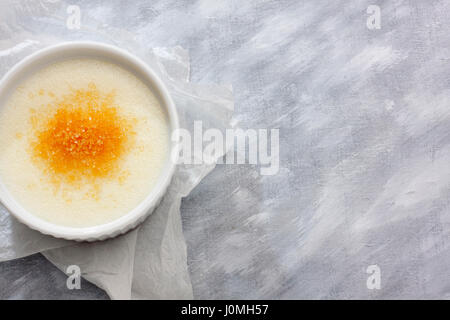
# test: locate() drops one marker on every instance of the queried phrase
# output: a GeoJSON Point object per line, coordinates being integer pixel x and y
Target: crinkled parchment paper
{"type": "Point", "coordinates": [148, 262]}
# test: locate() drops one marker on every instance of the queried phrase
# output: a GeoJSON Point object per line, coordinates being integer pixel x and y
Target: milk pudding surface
{"type": "Point", "coordinates": [84, 142]}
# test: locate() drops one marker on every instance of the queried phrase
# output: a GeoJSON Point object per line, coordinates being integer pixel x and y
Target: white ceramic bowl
{"type": "Point", "coordinates": [120, 57]}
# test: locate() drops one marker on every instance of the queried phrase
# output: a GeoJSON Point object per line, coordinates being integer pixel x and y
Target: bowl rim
{"type": "Point", "coordinates": [146, 206]}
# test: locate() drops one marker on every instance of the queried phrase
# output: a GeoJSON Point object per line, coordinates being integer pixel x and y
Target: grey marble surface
{"type": "Point", "coordinates": [364, 121]}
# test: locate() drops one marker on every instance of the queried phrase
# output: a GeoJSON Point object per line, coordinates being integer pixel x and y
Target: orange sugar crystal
{"type": "Point", "coordinates": [84, 137]}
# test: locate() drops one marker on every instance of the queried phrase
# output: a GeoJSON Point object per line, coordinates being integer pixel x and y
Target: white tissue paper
{"type": "Point", "coordinates": [148, 262]}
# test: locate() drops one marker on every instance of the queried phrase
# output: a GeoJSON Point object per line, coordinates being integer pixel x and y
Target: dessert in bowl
{"type": "Point", "coordinates": [85, 130]}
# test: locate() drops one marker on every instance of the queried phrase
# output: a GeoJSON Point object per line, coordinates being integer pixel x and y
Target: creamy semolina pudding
{"type": "Point", "coordinates": [83, 142]}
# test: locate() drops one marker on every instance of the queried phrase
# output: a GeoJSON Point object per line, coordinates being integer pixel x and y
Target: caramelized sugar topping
{"type": "Point", "coordinates": [85, 137]}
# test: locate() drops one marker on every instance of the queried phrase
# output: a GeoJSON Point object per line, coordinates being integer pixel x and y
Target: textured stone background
{"type": "Point", "coordinates": [364, 118]}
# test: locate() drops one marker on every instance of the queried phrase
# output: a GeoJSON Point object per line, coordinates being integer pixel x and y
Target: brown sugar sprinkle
{"type": "Point", "coordinates": [85, 137]}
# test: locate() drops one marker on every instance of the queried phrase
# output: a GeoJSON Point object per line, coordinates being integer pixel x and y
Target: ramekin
{"type": "Point", "coordinates": [68, 50]}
